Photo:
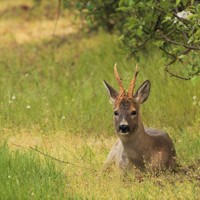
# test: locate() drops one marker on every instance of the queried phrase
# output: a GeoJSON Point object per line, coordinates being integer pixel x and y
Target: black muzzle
{"type": "Point", "coordinates": [124, 128]}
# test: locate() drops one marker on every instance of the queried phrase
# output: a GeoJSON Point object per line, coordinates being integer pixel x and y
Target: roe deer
{"type": "Point", "coordinates": [137, 146]}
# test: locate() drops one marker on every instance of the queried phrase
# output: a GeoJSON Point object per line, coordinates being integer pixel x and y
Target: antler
{"type": "Point", "coordinates": [132, 84]}
{"type": "Point", "coordinates": [118, 79]}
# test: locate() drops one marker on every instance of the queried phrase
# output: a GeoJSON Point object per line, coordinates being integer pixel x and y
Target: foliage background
{"type": "Point", "coordinates": [170, 26]}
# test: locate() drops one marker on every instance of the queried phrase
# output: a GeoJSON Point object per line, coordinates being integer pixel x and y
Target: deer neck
{"type": "Point", "coordinates": [136, 138]}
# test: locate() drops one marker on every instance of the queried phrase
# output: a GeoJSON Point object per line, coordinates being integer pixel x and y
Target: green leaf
{"type": "Point", "coordinates": [177, 2]}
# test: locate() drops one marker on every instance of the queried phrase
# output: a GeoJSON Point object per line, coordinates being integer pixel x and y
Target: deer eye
{"type": "Point", "coordinates": [134, 113]}
{"type": "Point", "coordinates": [116, 113]}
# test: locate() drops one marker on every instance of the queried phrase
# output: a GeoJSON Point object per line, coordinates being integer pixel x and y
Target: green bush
{"type": "Point", "coordinates": [100, 13]}
{"type": "Point", "coordinates": [171, 26]}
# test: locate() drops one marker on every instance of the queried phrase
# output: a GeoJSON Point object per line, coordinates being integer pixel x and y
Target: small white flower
{"type": "Point", "coordinates": [28, 107]}
{"type": "Point", "coordinates": [63, 117]}
{"type": "Point", "coordinates": [32, 193]}
{"type": "Point", "coordinates": [184, 14]}
{"type": "Point", "coordinates": [13, 97]}
{"type": "Point", "coordinates": [194, 97]}
{"type": "Point", "coordinates": [9, 176]}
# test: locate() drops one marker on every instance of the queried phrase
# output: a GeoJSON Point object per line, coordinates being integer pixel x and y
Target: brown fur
{"type": "Point", "coordinates": [144, 148]}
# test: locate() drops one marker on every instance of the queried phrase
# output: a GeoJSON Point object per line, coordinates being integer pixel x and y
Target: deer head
{"type": "Point", "coordinates": [126, 103]}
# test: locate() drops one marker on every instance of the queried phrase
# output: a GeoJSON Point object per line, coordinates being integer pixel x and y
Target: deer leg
{"type": "Point", "coordinates": [111, 156]}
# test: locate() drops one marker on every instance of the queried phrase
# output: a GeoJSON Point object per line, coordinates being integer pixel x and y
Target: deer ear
{"type": "Point", "coordinates": [142, 93]}
{"type": "Point", "coordinates": [111, 91]}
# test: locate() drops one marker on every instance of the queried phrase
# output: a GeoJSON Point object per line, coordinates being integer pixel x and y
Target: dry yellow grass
{"type": "Point", "coordinates": [21, 30]}
{"type": "Point", "coordinates": [35, 31]}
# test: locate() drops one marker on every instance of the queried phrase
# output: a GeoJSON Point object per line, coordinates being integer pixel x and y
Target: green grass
{"type": "Point", "coordinates": [25, 176]}
{"type": "Point", "coordinates": [52, 97]}
{"type": "Point", "coordinates": [61, 82]}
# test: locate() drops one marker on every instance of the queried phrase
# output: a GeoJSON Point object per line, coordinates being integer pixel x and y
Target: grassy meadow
{"type": "Point", "coordinates": [52, 100]}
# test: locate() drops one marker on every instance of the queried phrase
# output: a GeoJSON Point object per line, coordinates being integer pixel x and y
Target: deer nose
{"type": "Point", "coordinates": [124, 128]}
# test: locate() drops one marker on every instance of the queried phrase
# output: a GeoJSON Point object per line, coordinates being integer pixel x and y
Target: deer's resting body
{"type": "Point", "coordinates": [137, 146]}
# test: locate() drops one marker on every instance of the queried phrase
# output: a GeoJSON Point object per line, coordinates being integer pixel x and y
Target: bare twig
{"type": "Point", "coordinates": [180, 44]}
{"type": "Point", "coordinates": [57, 16]}
{"type": "Point", "coordinates": [46, 155]}
{"type": "Point", "coordinates": [184, 34]}
{"type": "Point", "coordinates": [143, 44]}
{"type": "Point", "coordinates": [181, 77]}
{"type": "Point", "coordinates": [53, 158]}
{"type": "Point", "coordinates": [186, 52]}
{"type": "Point", "coordinates": [174, 59]}
{"type": "Point", "coordinates": [167, 52]}
{"type": "Point", "coordinates": [175, 75]}
{"type": "Point", "coordinates": [18, 145]}
{"type": "Point", "coordinates": [195, 74]}
{"type": "Point", "coordinates": [157, 24]}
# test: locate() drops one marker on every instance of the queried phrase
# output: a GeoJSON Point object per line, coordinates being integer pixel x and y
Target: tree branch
{"type": "Point", "coordinates": [181, 77]}
{"type": "Point", "coordinates": [167, 52]}
{"type": "Point", "coordinates": [143, 44]}
{"type": "Point", "coordinates": [179, 44]}
{"type": "Point", "coordinates": [175, 75]}
{"type": "Point", "coordinates": [174, 59]}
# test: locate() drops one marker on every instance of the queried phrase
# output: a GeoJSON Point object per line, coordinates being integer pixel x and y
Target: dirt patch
{"type": "Point", "coordinates": [23, 32]}
{"type": "Point", "coordinates": [21, 29]}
